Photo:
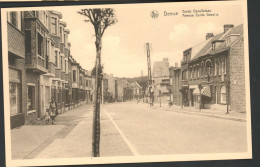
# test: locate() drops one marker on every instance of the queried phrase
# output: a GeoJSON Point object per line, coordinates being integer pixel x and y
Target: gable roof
{"type": "Point", "coordinates": [207, 49]}
{"type": "Point", "coordinates": [160, 68]}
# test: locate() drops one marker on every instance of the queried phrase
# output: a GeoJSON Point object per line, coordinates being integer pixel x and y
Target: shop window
{"type": "Point", "coordinates": [30, 98]}
{"type": "Point", "coordinates": [15, 98]}
{"type": "Point", "coordinates": [223, 94]}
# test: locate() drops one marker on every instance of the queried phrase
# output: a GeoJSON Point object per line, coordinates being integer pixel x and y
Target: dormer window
{"type": "Point", "coordinates": [213, 46]}
{"type": "Point", "coordinates": [216, 44]}
{"type": "Point", "coordinates": [231, 38]}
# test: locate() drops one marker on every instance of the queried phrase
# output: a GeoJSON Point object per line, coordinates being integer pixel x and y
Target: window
{"type": "Point", "coordinates": [217, 67]}
{"type": "Point", "coordinates": [184, 75]}
{"type": "Point", "coordinates": [64, 39]}
{"type": "Point", "coordinates": [27, 41]}
{"type": "Point", "coordinates": [208, 67]}
{"type": "Point", "coordinates": [47, 21]}
{"type": "Point", "coordinates": [65, 64]}
{"type": "Point", "coordinates": [13, 18]}
{"type": "Point", "coordinates": [87, 83]}
{"type": "Point", "coordinates": [61, 33]}
{"type": "Point", "coordinates": [30, 98]}
{"type": "Point", "coordinates": [202, 68]}
{"type": "Point", "coordinates": [80, 80]}
{"type": "Point", "coordinates": [56, 58]}
{"type": "Point", "coordinates": [54, 25]}
{"type": "Point", "coordinates": [74, 76]}
{"type": "Point", "coordinates": [213, 46]}
{"type": "Point", "coordinates": [224, 65]}
{"type": "Point", "coordinates": [40, 45]}
{"type": "Point", "coordinates": [15, 98]}
{"type": "Point", "coordinates": [44, 18]}
{"type": "Point", "coordinates": [223, 94]}
{"type": "Point", "coordinates": [61, 62]}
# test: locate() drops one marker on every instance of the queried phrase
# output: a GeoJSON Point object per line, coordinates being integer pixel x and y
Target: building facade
{"type": "Point", "coordinates": [161, 81]}
{"type": "Point", "coordinates": [175, 85]}
{"type": "Point", "coordinates": [41, 66]}
{"type": "Point", "coordinates": [213, 73]}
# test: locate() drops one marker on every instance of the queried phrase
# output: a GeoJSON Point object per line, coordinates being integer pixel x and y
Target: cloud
{"type": "Point", "coordinates": [180, 31]}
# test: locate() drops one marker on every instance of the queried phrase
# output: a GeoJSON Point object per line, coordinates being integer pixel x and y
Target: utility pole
{"type": "Point", "coordinates": [149, 72]}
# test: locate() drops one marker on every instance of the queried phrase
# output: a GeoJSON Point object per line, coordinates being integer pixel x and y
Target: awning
{"type": "Point", "coordinates": [205, 91]}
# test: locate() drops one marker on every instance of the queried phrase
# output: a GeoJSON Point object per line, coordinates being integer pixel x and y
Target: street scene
{"type": "Point", "coordinates": [125, 134]}
{"type": "Point", "coordinates": [88, 82]}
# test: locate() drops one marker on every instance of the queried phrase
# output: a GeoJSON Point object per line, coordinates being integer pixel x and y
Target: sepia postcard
{"type": "Point", "coordinates": [126, 83]}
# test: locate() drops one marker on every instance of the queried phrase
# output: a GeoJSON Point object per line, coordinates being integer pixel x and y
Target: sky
{"type": "Point", "coordinates": [123, 44]}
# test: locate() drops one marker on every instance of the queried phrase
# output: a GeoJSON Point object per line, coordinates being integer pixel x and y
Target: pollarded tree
{"type": "Point", "coordinates": [101, 19]}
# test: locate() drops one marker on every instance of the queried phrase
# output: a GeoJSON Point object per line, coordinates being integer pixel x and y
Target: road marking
{"type": "Point", "coordinates": [130, 145]}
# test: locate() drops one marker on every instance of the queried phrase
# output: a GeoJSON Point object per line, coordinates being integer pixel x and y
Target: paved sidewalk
{"type": "Point", "coordinates": [28, 140]}
{"type": "Point", "coordinates": [76, 144]}
{"type": "Point", "coordinates": [233, 115]}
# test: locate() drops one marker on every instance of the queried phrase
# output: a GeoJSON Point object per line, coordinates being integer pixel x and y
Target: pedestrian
{"type": "Point", "coordinates": [47, 116]}
{"type": "Point", "coordinates": [53, 110]}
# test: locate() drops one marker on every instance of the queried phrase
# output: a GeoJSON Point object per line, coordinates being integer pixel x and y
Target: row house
{"type": "Point", "coordinates": [40, 65]}
{"type": "Point", "coordinates": [123, 90]}
{"type": "Point", "coordinates": [108, 88]}
{"type": "Point", "coordinates": [88, 87]}
{"type": "Point", "coordinates": [175, 85]}
{"type": "Point", "coordinates": [137, 90]}
{"type": "Point", "coordinates": [16, 64]}
{"type": "Point", "coordinates": [160, 79]}
{"type": "Point", "coordinates": [213, 72]}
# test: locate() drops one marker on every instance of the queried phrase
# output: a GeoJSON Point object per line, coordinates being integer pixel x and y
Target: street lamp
{"type": "Point", "coordinates": [200, 88]}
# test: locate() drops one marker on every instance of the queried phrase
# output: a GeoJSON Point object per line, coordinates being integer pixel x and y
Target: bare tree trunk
{"type": "Point", "coordinates": [97, 98]}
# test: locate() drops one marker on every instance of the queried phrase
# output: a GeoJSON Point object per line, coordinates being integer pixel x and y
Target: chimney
{"type": "Point", "coordinates": [227, 27]}
{"type": "Point", "coordinates": [209, 35]}
{"type": "Point", "coordinates": [165, 60]}
{"type": "Point", "coordinates": [176, 64]}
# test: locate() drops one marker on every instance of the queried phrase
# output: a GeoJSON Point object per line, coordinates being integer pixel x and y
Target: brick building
{"type": "Point", "coordinates": [41, 66]}
{"type": "Point", "coordinates": [16, 67]}
{"type": "Point", "coordinates": [217, 64]}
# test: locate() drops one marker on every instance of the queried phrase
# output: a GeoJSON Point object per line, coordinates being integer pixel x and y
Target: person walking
{"type": "Point", "coordinates": [53, 110]}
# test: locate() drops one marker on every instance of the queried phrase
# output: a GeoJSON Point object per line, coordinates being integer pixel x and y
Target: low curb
{"type": "Point", "coordinates": [207, 115]}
